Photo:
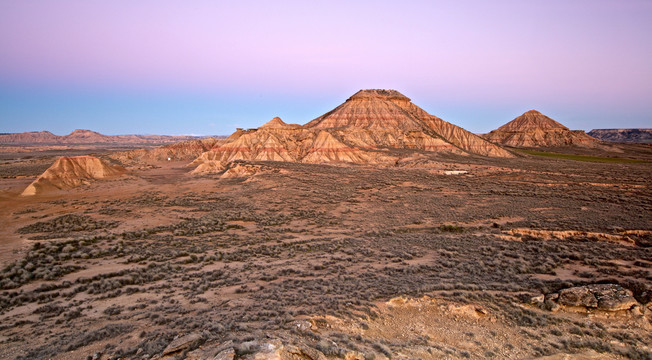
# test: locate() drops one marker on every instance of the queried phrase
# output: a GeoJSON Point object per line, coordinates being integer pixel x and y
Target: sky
{"type": "Point", "coordinates": [206, 67]}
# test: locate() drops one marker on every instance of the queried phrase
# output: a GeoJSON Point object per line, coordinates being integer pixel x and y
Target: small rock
{"type": "Point", "coordinates": [302, 325]}
{"type": "Point", "coordinates": [228, 354]}
{"type": "Point", "coordinates": [551, 306]}
{"type": "Point", "coordinates": [537, 300]}
{"type": "Point", "coordinates": [552, 297]}
{"type": "Point", "coordinates": [182, 343]}
{"type": "Point", "coordinates": [270, 351]}
{"type": "Point", "coordinates": [305, 352]}
{"type": "Point", "coordinates": [354, 355]}
{"type": "Point", "coordinates": [638, 310]}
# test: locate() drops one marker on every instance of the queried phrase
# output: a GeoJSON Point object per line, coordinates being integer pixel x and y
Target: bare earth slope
{"type": "Point", "coordinates": [533, 129]}
{"type": "Point", "coordinates": [354, 132]}
{"type": "Point", "coordinates": [68, 172]}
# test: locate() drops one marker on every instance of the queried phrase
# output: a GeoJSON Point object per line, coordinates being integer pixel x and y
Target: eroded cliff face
{"type": "Point", "coordinates": [69, 172]}
{"type": "Point", "coordinates": [355, 132]}
{"type": "Point", "coordinates": [533, 129]}
{"type": "Point", "coordinates": [180, 151]}
{"type": "Point", "coordinates": [280, 144]}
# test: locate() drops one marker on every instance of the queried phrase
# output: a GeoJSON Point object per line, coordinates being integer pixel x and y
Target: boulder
{"type": "Point", "coordinates": [607, 297]}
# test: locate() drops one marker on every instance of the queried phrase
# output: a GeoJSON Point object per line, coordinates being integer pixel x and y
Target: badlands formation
{"type": "Point", "coordinates": [359, 131]}
{"type": "Point", "coordinates": [535, 130]}
{"type": "Point", "coordinates": [69, 172]}
{"type": "Point", "coordinates": [179, 151]}
{"type": "Point", "coordinates": [376, 231]}
{"type": "Point", "coordinates": [363, 130]}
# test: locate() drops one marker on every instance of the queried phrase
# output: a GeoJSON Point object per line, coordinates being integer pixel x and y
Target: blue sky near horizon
{"type": "Point", "coordinates": [207, 67]}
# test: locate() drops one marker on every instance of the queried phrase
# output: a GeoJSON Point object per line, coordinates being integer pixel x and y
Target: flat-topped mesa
{"type": "Point", "coordinates": [387, 118]}
{"type": "Point", "coordinates": [371, 109]}
{"type": "Point", "coordinates": [383, 94]}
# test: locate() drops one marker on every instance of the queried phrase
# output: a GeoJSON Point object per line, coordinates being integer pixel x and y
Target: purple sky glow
{"type": "Point", "coordinates": [206, 67]}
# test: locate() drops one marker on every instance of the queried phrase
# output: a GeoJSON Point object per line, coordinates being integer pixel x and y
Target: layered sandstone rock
{"type": "Point", "coordinates": [327, 148]}
{"type": "Point", "coordinates": [279, 144]}
{"type": "Point", "coordinates": [358, 131]}
{"type": "Point", "coordinates": [180, 151]}
{"type": "Point", "coordinates": [69, 172]}
{"type": "Point", "coordinates": [386, 118]}
{"type": "Point", "coordinates": [277, 123]}
{"type": "Point", "coordinates": [533, 129]}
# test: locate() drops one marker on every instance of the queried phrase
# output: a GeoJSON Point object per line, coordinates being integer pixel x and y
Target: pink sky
{"type": "Point", "coordinates": [579, 59]}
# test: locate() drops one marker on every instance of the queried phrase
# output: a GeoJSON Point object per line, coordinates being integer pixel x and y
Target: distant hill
{"type": "Point", "coordinates": [642, 136]}
{"type": "Point", "coordinates": [88, 137]}
{"type": "Point", "coordinates": [533, 129]}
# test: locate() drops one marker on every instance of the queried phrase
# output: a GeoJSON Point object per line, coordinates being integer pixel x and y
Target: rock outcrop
{"type": "Point", "coordinates": [358, 131]}
{"type": "Point", "coordinates": [69, 172]}
{"type": "Point", "coordinates": [642, 136]}
{"type": "Point", "coordinates": [605, 297]}
{"type": "Point", "coordinates": [608, 297]}
{"type": "Point", "coordinates": [533, 129]}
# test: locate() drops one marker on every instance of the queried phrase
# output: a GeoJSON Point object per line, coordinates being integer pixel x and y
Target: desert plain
{"type": "Point", "coordinates": [419, 253]}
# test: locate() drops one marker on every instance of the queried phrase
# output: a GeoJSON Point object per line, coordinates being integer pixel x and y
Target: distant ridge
{"type": "Point", "coordinates": [534, 129]}
{"type": "Point", "coordinates": [641, 136]}
{"type": "Point", "coordinates": [80, 136]}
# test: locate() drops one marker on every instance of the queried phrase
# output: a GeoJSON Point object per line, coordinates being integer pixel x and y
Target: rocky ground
{"type": "Point", "coordinates": [466, 258]}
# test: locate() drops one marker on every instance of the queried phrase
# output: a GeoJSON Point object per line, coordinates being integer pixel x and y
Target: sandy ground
{"type": "Point", "coordinates": [400, 262]}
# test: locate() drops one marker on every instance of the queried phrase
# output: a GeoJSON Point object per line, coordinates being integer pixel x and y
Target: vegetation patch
{"type": "Point", "coordinates": [587, 158]}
